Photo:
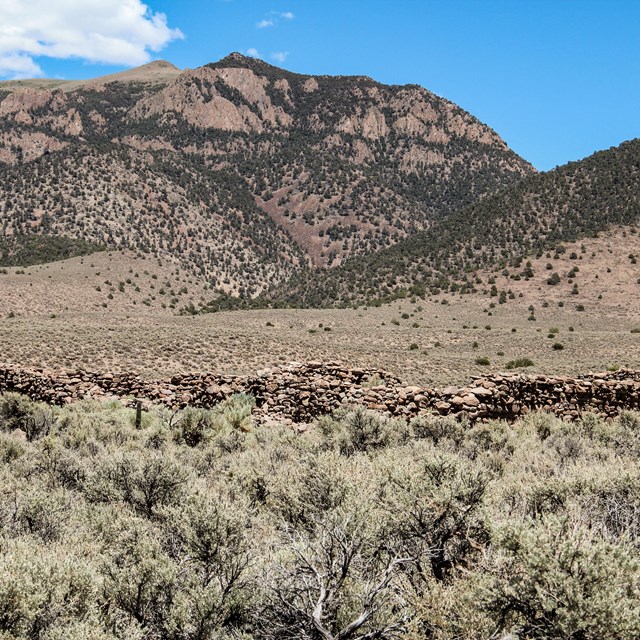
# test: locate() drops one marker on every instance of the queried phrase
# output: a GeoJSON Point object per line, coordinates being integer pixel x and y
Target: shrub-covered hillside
{"type": "Point", "coordinates": [25, 251]}
{"type": "Point", "coordinates": [577, 200]}
{"type": "Point", "coordinates": [243, 171]}
{"type": "Point", "coordinates": [201, 525]}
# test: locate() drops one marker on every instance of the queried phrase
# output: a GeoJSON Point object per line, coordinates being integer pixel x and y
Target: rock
{"type": "Point", "coordinates": [18, 434]}
{"type": "Point", "coordinates": [470, 401]}
{"type": "Point", "coordinates": [301, 392]}
{"type": "Point", "coordinates": [481, 391]}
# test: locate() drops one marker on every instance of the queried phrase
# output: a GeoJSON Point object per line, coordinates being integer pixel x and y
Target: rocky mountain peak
{"type": "Point", "coordinates": [289, 170]}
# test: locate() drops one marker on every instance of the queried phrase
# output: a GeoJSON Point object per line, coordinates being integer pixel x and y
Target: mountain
{"type": "Point", "coordinates": [156, 72]}
{"type": "Point", "coordinates": [247, 173]}
{"type": "Point", "coordinates": [538, 214]}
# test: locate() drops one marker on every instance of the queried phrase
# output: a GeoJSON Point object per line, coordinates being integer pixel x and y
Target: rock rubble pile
{"type": "Point", "coordinates": [301, 392]}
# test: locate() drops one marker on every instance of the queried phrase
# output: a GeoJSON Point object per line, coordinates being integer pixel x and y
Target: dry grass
{"type": "Point", "coordinates": [243, 342]}
{"type": "Point", "coordinates": [104, 283]}
{"type": "Point", "coordinates": [424, 341]}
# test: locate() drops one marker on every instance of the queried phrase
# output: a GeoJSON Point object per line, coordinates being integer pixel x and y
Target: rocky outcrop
{"type": "Point", "coordinates": [24, 147]}
{"type": "Point", "coordinates": [252, 170]}
{"type": "Point", "coordinates": [227, 99]}
{"type": "Point", "coordinates": [301, 392]}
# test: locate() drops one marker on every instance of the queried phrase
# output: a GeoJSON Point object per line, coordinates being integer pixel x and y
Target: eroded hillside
{"type": "Point", "coordinates": [246, 172]}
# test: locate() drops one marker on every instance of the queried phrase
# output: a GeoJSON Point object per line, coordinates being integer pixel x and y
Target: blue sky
{"type": "Point", "coordinates": [557, 79]}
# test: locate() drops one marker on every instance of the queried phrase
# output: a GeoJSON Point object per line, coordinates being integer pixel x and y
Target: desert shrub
{"type": "Point", "coordinates": [235, 412]}
{"type": "Point", "coordinates": [542, 424]}
{"type": "Point", "coordinates": [630, 420]}
{"type": "Point", "coordinates": [556, 579]}
{"type": "Point", "coordinates": [340, 579]}
{"type": "Point", "coordinates": [434, 528]}
{"type": "Point", "coordinates": [435, 510]}
{"type": "Point", "coordinates": [194, 426]}
{"type": "Point", "coordinates": [373, 381]}
{"type": "Point", "coordinates": [43, 589]}
{"type": "Point", "coordinates": [318, 484]}
{"type": "Point", "coordinates": [540, 497]}
{"type": "Point", "coordinates": [225, 425]}
{"type": "Point", "coordinates": [212, 533]}
{"type": "Point", "coordinates": [491, 436]}
{"type": "Point", "coordinates": [518, 363]}
{"type": "Point", "coordinates": [140, 581]}
{"type": "Point", "coordinates": [611, 504]}
{"type": "Point", "coordinates": [483, 361]}
{"type": "Point", "coordinates": [361, 430]}
{"type": "Point", "coordinates": [11, 448]}
{"type": "Point", "coordinates": [42, 513]}
{"type": "Point", "coordinates": [145, 482]}
{"type": "Point", "coordinates": [439, 430]}
{"type": "Point", "coordinates": [18, 412]}
{"type": "Point", "coordinates": [92, 425]}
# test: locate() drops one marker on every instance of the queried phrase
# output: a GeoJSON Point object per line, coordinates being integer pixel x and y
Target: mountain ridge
{"type": "Point", "coordinates": [244, 171]}
{"type": "Point", "coordinates": [155, 71]}
{"type": "Point", "coordinates": [500, 231]}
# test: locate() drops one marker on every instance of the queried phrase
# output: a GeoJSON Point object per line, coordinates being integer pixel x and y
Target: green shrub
{"type": "Point", "coordinates": [555, 579]}
{"type": "Point", "coordinates": [518, 363]}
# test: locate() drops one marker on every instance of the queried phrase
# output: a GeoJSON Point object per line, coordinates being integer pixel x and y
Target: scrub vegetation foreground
{"type": "Point", "coordinates": [199, 525]}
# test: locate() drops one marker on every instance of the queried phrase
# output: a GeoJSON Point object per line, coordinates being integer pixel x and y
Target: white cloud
{"type": "Point", "coordinates": [280, 56]}
{"type": "Point", "coordinates": [253, 53]}
{"type": "Point", "coordinates": [122, 32]}
{"type": "Point", "coordinates": [18, 66]}
{"type": "Point", "coordinates": [273, 20]}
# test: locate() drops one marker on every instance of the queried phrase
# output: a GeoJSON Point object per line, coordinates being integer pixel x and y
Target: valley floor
{"type": "Point", "coordinates": [423, 343]}
{"type": "Point", "coordinates": [114, 310]}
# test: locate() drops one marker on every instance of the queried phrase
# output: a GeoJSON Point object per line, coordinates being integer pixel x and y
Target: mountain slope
{"type": "Point", "coordinates": [156, 72]}
{"type": "Point", "coordinates": [246, 172]}
{"type": "Point", "coordinates": [577, 200]}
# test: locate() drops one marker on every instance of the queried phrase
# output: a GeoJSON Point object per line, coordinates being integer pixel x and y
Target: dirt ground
{"type": "Point", "coordinates": [53, 317]}
{"type": "Point", "coordinates": [442, 349]}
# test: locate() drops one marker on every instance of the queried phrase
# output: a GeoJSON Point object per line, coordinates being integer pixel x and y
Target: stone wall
{"type": "Point", "coordinates": [301, 392]}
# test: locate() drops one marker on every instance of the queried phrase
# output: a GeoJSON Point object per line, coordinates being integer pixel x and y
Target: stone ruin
{"type": "Point", "coordinates": [299, 393]}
